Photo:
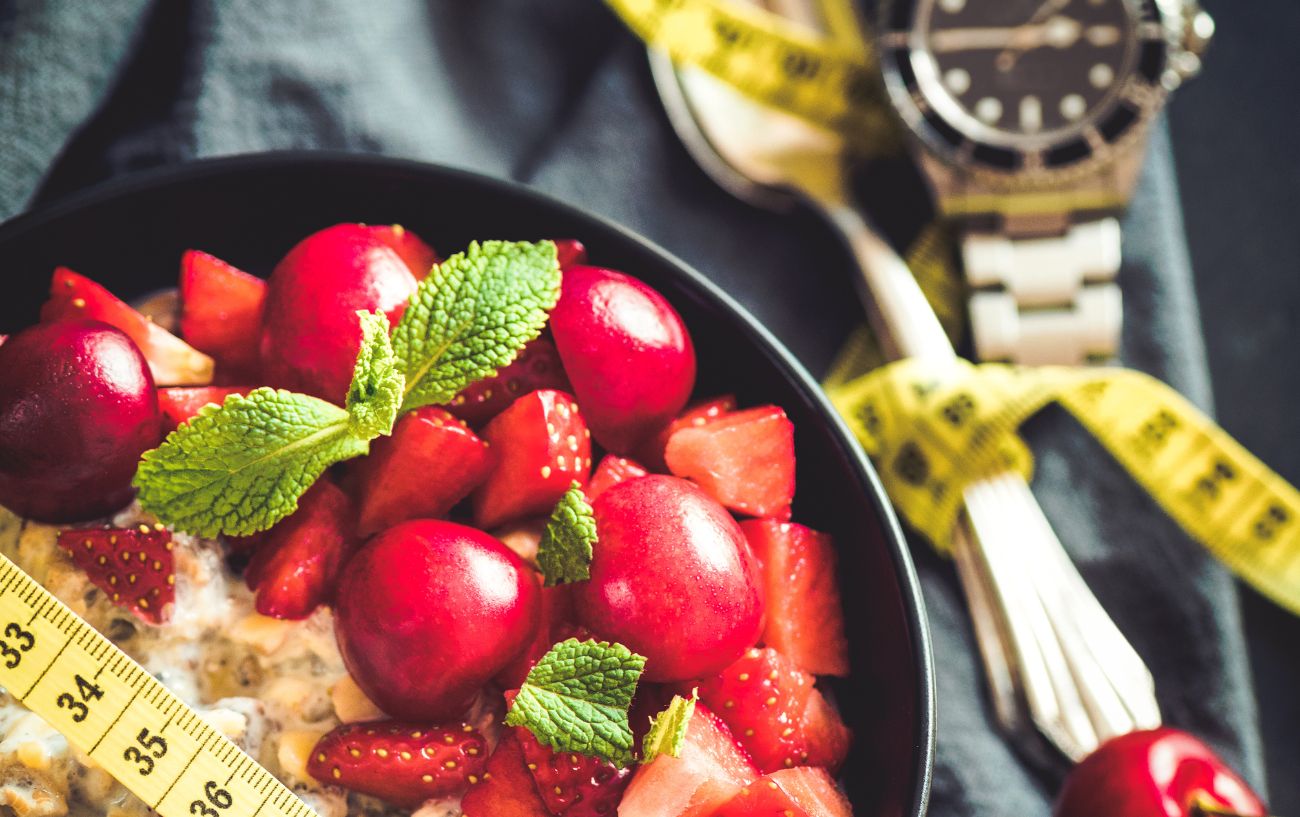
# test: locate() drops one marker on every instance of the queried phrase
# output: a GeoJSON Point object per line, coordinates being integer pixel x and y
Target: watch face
{"type": "Point", "coordinates": [1040, 82]}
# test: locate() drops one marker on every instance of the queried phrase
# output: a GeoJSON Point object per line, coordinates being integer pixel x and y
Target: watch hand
{"type": "Point", "coordinates": [1102, 36]}
{"type": "Point", "coordinates": [1007, 59]}
{"type": "Point", "coordinates": [1058, 32]}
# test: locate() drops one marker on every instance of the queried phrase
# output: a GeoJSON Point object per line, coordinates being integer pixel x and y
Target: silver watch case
{"type": "Point", "coordinates": [1049, 186]}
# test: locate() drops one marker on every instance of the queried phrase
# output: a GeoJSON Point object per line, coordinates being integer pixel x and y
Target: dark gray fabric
{"type": "Point", "coordinates": [556, 95]}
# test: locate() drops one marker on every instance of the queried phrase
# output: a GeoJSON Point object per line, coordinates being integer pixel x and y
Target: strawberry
{"type": "Point", "coordinates": [651, 451]}
{"type": "Point", "coordinates": [801, 792]}
{"type": "Point", "coordinates": [744, 459]}
{"type": "Point", "coordinates": [431, 462]}
{"type": "Point", "coordinates": [553, 623]}
{"type": "Point", "coordinates": [542, 446]}
{"type": "Point", "coordinates": [401, 763]}
{"type": "Point", "coordinates": [134, 566]}
{"type": "Point", "coordinates": [296, 568]}
{"type": "Point", "coordinates": [418, 255]}
{"type": "Point", "coordinates": [172, 361]}
{"type": "Point", "coordinates": [179, 403]}
{"type": "Point", "coordinates": [709, 771]}
{"type": "Point", "coordinates": [612, 470]}
{"type": "Point", "coordinates": [506, 788]}
{"type": "Point", "coordinates": [767, 702]}
{"type": "Point", "coordinates": [571, 784]}
{"type": "Point", "coordinates": [536, 367]}
{"type": "Point", "coordinates": [805, 621]}
{"type": "Point", "coordinates": [221, 311]}
{"type": "Point", "coordinates": [570, 252]}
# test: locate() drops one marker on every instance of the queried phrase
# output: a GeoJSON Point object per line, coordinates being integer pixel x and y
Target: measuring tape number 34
{"type": "Point", "coordinates": [109, 707]}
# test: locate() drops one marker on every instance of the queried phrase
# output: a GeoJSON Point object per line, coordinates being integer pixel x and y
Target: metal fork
{"type": "Point", "coordinates": [1056, 664]}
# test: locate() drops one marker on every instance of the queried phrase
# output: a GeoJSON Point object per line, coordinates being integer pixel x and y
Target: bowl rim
{"type": "Point", "coordinates": [868, 480]}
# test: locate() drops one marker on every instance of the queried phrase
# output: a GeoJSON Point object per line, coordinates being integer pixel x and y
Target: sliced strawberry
{"type": "Point", "coordinates": [418, 255]}
{"type": "Point", "coordinates": [172, 361]}
{"type": "Point", "coordinates": [401, 763]}
{"type": "Point", "coordinates": [612, 470]}
{"type": "Point", "coordinates": [542, 445]}
{"type": "Point", "coordinates": [134, 566]}
{"type": "Point", "coordinates": [651, 451]}
{"type": "Point", "coordinates": [801, 792]}
{"type": "Point", "coordinates": [536, 367]}
{"type": "Point", "coordinates": [571, 784]}
{"type": "Point", "coordinates": [745, 460]}
{"type": "Point", "coordinates": [431, 462]}
{"type": "Point", "coordinates": [179, 403]}
{"type": "Point", "coordinates": [506, 788]}
{"type": "Point", "coordinates": [296, 568]}
{"type": "Point", "coordinates": [805, 621]}
{"type": "Point", "coordinates": [765, 700]}
{"type": "Point", "coordinates": [570, 251]}
{"type": "Point", "coordinates": [556, 616]}
{"type": "Point", "coordinates": [221, 311]}
{"type": "Point", "coordinates": [709, 771]}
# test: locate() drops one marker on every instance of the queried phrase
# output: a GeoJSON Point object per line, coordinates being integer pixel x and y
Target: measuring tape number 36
{"type": "Point", "coordinates": [109, 707]}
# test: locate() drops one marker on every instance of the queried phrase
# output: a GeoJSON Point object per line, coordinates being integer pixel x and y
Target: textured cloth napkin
{"type": "Point", "coordinates": [557, 95]}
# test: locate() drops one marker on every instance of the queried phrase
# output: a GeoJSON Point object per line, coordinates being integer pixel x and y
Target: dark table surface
{"type": "Point", "coordinates": [1234, 139]}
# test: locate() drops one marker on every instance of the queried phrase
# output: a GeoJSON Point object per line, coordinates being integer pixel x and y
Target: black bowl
{"type": "Point", "coordinates": [129, 235]}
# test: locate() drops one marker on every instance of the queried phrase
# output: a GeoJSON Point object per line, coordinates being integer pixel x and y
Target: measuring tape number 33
{"type": "Point", "coordinates": [109, 707]}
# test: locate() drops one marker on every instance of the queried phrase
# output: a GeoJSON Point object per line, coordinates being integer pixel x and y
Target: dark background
{"type": "Point", "coordinates": [1239, 169]}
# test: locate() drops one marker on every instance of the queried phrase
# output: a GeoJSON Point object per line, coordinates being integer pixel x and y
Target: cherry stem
{"type": "Point", "coordinates": [1204, 808]}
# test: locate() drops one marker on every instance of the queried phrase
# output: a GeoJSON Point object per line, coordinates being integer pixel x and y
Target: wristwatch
{"type": "Point", "coordinates": [1029, 118]}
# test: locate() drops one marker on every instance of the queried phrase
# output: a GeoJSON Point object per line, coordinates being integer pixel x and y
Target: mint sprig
{"type": "Point", "coordinates": [564, 553]}
{"type": "Point", "coordinates": [576, 699]}
{"type": "Point", "coordinates": [376, 391]}
{"type": "Point", "coordinates": [472, 315]}
{"type": "Point", "coordinates": [668, 729]}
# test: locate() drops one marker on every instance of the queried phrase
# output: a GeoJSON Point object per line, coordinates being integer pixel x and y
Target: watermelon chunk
{"type": "Point", "coordinates": [221, 312]}
{"type": "Point", "coordinates": [744, 460]}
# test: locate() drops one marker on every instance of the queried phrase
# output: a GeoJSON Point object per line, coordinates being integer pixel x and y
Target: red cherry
{"type": "Point", "coordinates": [672, 578]}
{"type": "Point", "coordinates": [428, 611]}
{"type": "Point", "coordinates": [77, 409]}
{"type": "Point", "coordinates": [310, 330]}
{"type": "Point", "coordinates": [626, 352]}
{"type": "Point", "coordinates": [1156, 773]}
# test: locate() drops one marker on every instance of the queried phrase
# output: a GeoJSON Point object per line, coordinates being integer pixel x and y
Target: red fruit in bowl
{"type": "Point", "coordinates": [570, 252]}
{"type": "Point", "coordinates": [178, 404]}
{"type": "Point", "coordinates": [536, 367]}
{"type": "Point", "coordinates": [744, 459]}
{"type": "Point", "coordinates": [221, 311]}
{"type": "Point", "coordinates": [507, 789]}
{"type": "Point", "coordinates": [428, 611]}
{"type": "Point", "coordinates": [801, 792]}
{"type": "Point", "coordinates": [1155, 773]}
{"type": "Point", "coordinates": [626, 351]}
{"type": "Point", "coordinates": [570, 784]}
{"type": "Point", "coordinates": [310, 332]}
{"type": "Point", "coordinates": [134, 567]}
{"type": "Point", "coordinates": [651, 452]}
{"type": "Point", "coordinates": [555, 618]}
{"type": "Point", "coordinates": [611, 471]}
{"type": "Point", "coordinates": [77, 409]}
{"type": "Point", "coordinates": [418, 255]}
{"type": "Point", "coordinates": [672, 578]}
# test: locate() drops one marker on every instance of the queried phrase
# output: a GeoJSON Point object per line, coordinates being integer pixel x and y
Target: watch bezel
{"type": "Point", "coordinates": [1141, 95]}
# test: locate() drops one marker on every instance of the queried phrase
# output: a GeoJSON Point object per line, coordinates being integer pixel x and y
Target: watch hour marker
{"type": "Point", "coordinates": [1031, 114]}
{"type": "Point", "coordinates": [952, 6]}
{"type": "Point", "coordinates": [1102, 36]}
{"type": "Point", "coordinates": [957, 80]}
{"type": "Point", "coordinates": [989, 110]}
{"type": "Point", "coordinates": [1101, 75]}
{"type": "Point", "coordinates": [1073, 107]}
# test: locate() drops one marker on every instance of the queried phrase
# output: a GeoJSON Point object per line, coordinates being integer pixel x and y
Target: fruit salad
{"type": "Point", "coordinates": [425, 535]}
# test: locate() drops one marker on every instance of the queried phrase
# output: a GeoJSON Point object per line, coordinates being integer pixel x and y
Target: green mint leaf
{"type": "Point", "coordinates": [376, 390]}
{"type": "Point", "coordinates": [472, 315]}
{"type": "Point", "coordinates": [239, 468]}
{"type": "Point", "coordinates": [576, 699]}
{"type": "Point", "coordinates": [564, 553]}
{"type": "Point", "coordinates": [668, 729]}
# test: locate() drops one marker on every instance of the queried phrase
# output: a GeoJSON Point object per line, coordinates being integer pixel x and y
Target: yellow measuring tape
{"type": "Point", "coordinates": [109, 707]}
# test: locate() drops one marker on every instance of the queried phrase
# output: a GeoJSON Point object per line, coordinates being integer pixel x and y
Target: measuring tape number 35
{"type": "Point", "coordinates": [109, 707]}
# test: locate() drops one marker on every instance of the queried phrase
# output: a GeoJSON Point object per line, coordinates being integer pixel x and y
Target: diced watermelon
{"type": "Point", "coordinates": [805, 621]}
{"type": "Point", "coordinates": [542, 446]}
{"type": "Point", "coordinates": [537, 367]}
{"type": "Point", "coordinates": [651, 452]}
{"type": "Point", "coordinates": [507, 788]}
{"type": "Point", "coordinates": [570, 251]}
{"type": "Point", "coordinates": [612, 470]}
{"type": "Point", "coordinates": [431, 462]}
{"type": "Point", "coordinates": [711, 769]}
{"type": "Point", "coordinates": [557, 613]}
{"type": "Point", "coordinates": [826, 737]}
{"type": "Point", "coordinates": [800, 792]}
{"type": "Point", "coordinates": [418, 255]}
{"type": "Point", "coordinates": [221, 312]}
{"type": "Point", "coordinates": [745, 460]}
{"type": "Point", "coordinates": [179, 403]}
{"type": "Point", "coordinates": [172, 361]}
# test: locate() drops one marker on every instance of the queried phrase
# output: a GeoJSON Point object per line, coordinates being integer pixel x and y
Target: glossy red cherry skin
{"type": "Point", "coordinates": [310, 331]}
{"type": "Point", "coordinates": [1154, 773]}
{"type": "Point", "coordinates": [627, 354]}
{"type": "Point", "coordinates": [428, 611]}
{"type": "Point", "coordinates": [77, 409]}
{"type": "Point", "coordinates": [672, 578]}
